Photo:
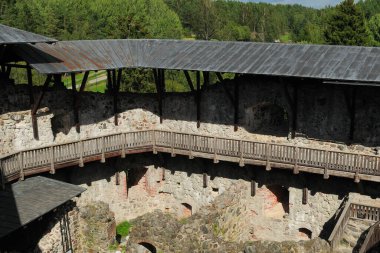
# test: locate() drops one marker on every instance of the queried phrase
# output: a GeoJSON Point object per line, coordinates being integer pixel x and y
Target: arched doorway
{"type": "Point", "coordinates": [149, 247]}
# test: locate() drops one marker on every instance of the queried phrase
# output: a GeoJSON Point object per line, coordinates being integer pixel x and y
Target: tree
{"type": "Point", "coordinates": [346, 26]}
{"type": "Point", "coordinates": [374, 27]}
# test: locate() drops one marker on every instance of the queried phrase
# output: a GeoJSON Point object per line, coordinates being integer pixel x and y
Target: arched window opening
{"type": "Point", "coordinates": [187, 210]}
{"type": "Point", "coordinates": [149, 247]}
{"type": "Point", "coordinates": [304, 233]}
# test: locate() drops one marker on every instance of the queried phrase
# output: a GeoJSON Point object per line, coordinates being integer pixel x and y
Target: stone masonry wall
{"type": "Point", "coordinates": [275, 213]}
{"type": "Point", "coordinates": [264, 114]}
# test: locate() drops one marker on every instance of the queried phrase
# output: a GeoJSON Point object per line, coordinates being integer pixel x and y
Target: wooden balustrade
{"type": "Point", "coordinates": [372, 238]}
{"type": "Point", "coordinates": [216, 148]}
{"type": "Point", "coordinates": [337, 233]}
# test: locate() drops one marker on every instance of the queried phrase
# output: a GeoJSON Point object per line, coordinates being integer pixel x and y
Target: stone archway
{"type": "Point", "coordinates": [267, 118]}
{"type": "Point", "coordinates": [149, 248]}
{"type": "Point", "coordinates": [187, 210]}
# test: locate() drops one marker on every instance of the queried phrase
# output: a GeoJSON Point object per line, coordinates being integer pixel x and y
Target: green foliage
{"type": "Point", "coordinates": [347, 26]}
{"type": "Point", "coordinates": [94, 19]}
{"type": "Point", "coordinates": [123, 228]}
{"type": "Point", "coordinates": [374, 27]}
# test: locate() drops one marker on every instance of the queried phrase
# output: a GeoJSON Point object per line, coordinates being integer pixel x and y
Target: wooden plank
{"type": "Point", "coordinates": [198, 99]}
{"type": "Point", "coordinates": [75, 102]}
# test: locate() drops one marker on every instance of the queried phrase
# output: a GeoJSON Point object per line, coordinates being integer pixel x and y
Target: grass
{"type": "Point", "coordinates": [285, 38]}
{"type": "Point", "coordinates": [123, 228]}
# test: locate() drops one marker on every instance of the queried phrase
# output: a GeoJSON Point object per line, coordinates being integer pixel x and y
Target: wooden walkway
{"type": "Point", "coordinates": [319, 161]}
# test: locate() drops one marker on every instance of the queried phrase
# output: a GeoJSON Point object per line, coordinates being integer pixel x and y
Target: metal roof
{"type": "Point", "coordinates": [344, 63]}
{"type": "Point", "coordinates": [28, 200]}
{"type": "Point", "coordinates": [10, 35]}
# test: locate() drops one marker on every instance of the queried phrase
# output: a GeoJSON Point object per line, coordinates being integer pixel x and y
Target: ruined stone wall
{"type": "Point", "coordinates": [275, 213]}
{"type": "Point", "coordinates": [264, 115]}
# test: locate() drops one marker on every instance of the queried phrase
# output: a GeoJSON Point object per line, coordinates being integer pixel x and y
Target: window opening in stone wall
{"type": "Point", "coordinates": [187, 210]}
{"type": "Point", "coordinates": [304, 233]}
{"type": "Point", "coordinates": [276, 201]}
{"type": "Point", "coordinates": [149, 247]}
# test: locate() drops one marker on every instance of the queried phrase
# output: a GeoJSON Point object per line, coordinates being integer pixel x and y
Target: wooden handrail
{"type": "Point", "coordinates": [372, 238]}
{"type": "Point", "coordinates": [237, 149]}
{"type": "Point", "coordinates": [357, 211]}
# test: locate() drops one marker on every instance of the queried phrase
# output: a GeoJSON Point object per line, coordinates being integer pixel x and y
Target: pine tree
{"type": "Point", "coordinates": [347, 26]}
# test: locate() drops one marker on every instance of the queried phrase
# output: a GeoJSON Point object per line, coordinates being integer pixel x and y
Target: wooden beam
{"type": "Point", "coordinates": [229, 95]}
{"type": "Point", "coordinates": [84, 81]}
{"type": "Point", "coordinates": [198, 99]}
{"type": "Point", "coordinates": [206, 79]}
{"type": "Point", "coordinates": [75, 102]}
{"type": "Point", "coordinates": [205, 180]}
{"type": "Point", "coordinates": [37, 105]}
{"type": "Point", "coordinates": [116, 89]}
{"type": "Point", "coordinates": [305, 196]}
{"type": "Point", "coordinates": [189, 81]}
{"type": "Point", "coordinates": [158, 76]}
{"type": "Point", "coordinates": [109, 80]}
{"type": "Point", "coordinates": [253, 188]}
{"type": "Point", "coordinates": [30, 86]}
{"type": "Point", "coordinates": [57, 80]}
{"type": "Point", "coordinates": [8, 72]}
{"type": "Point", "coordinates": [236, 103]}
{"type": "Point", "coordinates": [17, 66]}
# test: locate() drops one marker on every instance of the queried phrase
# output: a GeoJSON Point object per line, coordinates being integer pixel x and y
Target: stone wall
{"type": "Point", "coordinates": [264, 115]}
{"type": "Point", "coordinates": [275, 213]}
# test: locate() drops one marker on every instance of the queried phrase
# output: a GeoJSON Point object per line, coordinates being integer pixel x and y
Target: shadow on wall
{"type": "Point", "coordinates": [264, 108]}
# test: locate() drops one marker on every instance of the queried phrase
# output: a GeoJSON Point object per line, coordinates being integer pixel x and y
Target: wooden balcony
{"type": "Point", "coordinates": [271, 155]}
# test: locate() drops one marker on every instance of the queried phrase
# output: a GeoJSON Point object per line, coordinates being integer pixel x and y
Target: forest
{"type": "Point", "coordinates": [346, 24]}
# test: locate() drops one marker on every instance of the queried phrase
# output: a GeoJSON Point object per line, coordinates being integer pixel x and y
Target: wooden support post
{"type": "Point", "coordinates": [58, 80]}
{"type": "Point", "coordinates": [305, 196]}
{"type": "Point", "coordinates": [198, 99]}
{"type": "Point", "coordinates": [215, 150]}
{"type": "Point", "coordinates": [163, 174]}
{"type": "Point", "coordinates": [8, 72]}
{"type": "Point", "coordinates": [241, 160]}
{"type": "Point", "coordinates": [75, 102]}
{"type": "Point", "coordinates": [116, 89]}
{"type": "Point", "coordinates": [295, 158]}
{"type": "Point", "coordinates": [81, 152]}
{"type": "Point", "coordinates": [109, 81]}
{"type": "Point", "coordinates": [37, 105]}
{"type": "Point", "coordinates": [52, 160]}
{"type": "Point", "coordinates": [160, 82]}
{"type": "Point", "coordinates": [206, 79]}
{"type": "Point", "coordinates": [236, 104]}
{"type": "Point", "coordinates": [267, 151]}
{"type": "Point", "coordinates": [204, 180]}
{"type": "Point", "coordinates": [327, 164]}
{"type": "Point", "coordinates": [253, 188]}
{"type": "Point", "coordinates": [229, 95]}
{"type": "Point", "coordinates": [189, 81]}
{"type": "Point", "coordinates": [103, 156]}
{"type": "Point", "coordinates": [117, 178]}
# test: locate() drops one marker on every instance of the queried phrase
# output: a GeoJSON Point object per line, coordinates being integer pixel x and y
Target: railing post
{"type": "Point", "coordinates": [241, 160]}
{"type": "Point", "coordinates": [268, 167]}
{"type": "Point", "coordinates": [327, 161]}
{"type": "Point", "coordinates": [190, 147]}
{"type": "Point", "coordinates": [123, 144]}
{"type": "Point", "coordinates": [215, 151]}
{"type": "Point", "coordinates": [103, 159]}
{"type": "Point", "coordinates": [356, 177]}
{"type": "Point", "coordinates": [2, 175]}
{"type": "Point", "coordinates": [295, 170]}
{"type": "Point", "coordinates": [172, 144]}
{"type": "Point", "coordinates": [81, 150]}
{"type": "Point", "coordinates": [21, 164]}
{"type": "Point", "coordinates": [51, 154]}
{"type": "Point", "coordinates": [154, 143]}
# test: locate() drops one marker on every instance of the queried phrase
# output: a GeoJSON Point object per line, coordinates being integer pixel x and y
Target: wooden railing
{"type": "Point", "coordinates": [321, 161]}
{"type": "Point", "coordinates": [372, 238]}
{"type": "Point", "coordinates": [352, 210]}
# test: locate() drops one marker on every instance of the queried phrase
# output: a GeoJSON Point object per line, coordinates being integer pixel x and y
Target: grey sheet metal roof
{"type": "Point", "coordinates": [27, 200]}
{"type": "Point", "coordinates": [346, 63]}
{"type": "Point", "coordinates": [10, 35]}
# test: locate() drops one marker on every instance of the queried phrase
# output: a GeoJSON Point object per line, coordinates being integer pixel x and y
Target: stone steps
{"type": "Point", "coordinates": [354, 235]}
